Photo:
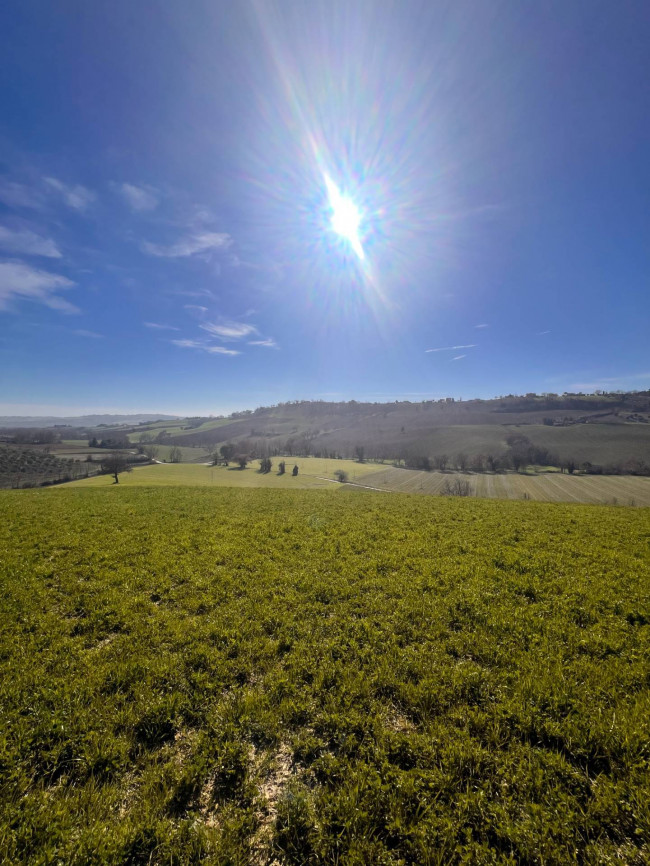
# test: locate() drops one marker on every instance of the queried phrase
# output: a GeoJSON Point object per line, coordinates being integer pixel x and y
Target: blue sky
{"type": "Point", "coordinates": [165, 228]}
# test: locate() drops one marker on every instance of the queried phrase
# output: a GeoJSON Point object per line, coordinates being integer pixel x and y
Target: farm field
{"type": "Point", "coordinates": [176, 428]}
{"type": "Point", "coordinates": [314, 473]}
{"type": "Point", "coordinates": [598, 443]}
{"type": "Point", "coordinates": [272, 676]}
{"type": "Point", "coordinates": [543, 487]}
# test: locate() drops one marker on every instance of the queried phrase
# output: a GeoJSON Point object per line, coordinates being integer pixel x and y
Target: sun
{"type": "Point", "coordinates": [346, 217]}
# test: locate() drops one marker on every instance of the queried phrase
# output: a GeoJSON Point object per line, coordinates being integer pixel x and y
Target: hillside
{"type": "Point", "coordinates": [599, 429]}
{"type": "Point", "coordinates": [78, 420]}
{"type": "Point", "coordinates": [269, 676]}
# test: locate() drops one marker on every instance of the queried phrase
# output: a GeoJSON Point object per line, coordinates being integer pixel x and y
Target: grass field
{"type": "Point", "coordinates": [267, 676]}
{"type": "Point", "coordinates": [314, 472]}
{"type": "Point", "coordinates": [176, 428]}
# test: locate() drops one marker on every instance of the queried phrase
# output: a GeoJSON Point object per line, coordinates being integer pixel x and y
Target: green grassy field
{"type": "Point", "coordinates": [176, 428]}
{"type": "Point", "coordinates": [319, 473]}
{"type": "Point", "coordinates": [313, 473]}
{"type": "Point", "coordinates": [231, 676]}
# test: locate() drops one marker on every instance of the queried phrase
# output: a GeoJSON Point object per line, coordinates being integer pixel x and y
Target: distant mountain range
{"type": "Point", "coordinates": [79, 420]}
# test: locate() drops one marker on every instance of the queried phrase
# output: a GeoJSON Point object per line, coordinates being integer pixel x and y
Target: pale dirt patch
{"type": "Point", "coordinates": [279, 769]}
{"type": "Point", "coordinates": [397, 721]}
{"type": "Point", "coordinates": [129, 796]}
{"type": "Point", "coordinates": [103, 642]}
{"type": "Point", "coordinates": [208, 809]}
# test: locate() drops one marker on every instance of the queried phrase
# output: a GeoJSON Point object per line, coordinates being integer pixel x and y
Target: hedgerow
{"type": "Point", "coordinates": [257, 676]}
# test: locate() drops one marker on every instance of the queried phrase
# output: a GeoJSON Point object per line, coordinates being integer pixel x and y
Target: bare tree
{"type": "Point", "coordinates": [114, 464]}
{"type": "Point", "coordinates": [457, 487]}
{"type": "Point", "coordinates": [341, 475]}
{"type": "Point", "coordinates": [175, 455]}
{"type": "Point", "coordinates": [151, 451]}
{"type": "Point", "coordinates": [359, 452]}
{"type": "Point", "coordinates": [440, 461]}
{"type": "Point", "coordinates": [242, 459]}
{"type": "Point", "coordinates": [461, 461]}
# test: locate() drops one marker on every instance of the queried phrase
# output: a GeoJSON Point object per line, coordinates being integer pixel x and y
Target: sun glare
{"type": "Point", "coordinates": [346, 218]}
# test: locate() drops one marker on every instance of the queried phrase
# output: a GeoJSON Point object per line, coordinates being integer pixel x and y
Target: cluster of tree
{"type": "Point", "coordinates": [150, 451]}
{"type": "Point", "coordinates": [636, 466]}
{"type": "Point", "coordinates": [115, 442]}
{"type": "Point", "coordinates": [266, 464]}
{"type": "Point", "coordinates": [522, 452]}
{"type": "Point", "coordinates": [224, 455]}
{"type": "Point", "coordinates": [514, 458]}
{"type": "Point", "coordinates": [31, 436]}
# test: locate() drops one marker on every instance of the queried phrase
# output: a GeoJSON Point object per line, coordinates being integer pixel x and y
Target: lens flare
{"type": "Point", "coordinates": [346, 218]}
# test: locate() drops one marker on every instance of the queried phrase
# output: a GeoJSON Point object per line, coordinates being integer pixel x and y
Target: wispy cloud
{"type": "Point", "coordinates": [204, 347]}
{"type": "Point", "coordinates": [195, 308]}
{"type": "Point", "coordinates": [482, 326]}
{"type": "Point", "coordinates": [192, 245]}
{"type": "Point", "coordinates": [453, 348]}
{"type": "Point", "coordinates": [541, 333]}
{"type": "Point", "coordinates": [612, 382]}
{"type": "Point", "coordinates": [269, 343]}
{"type": "Point", "coordinates": [229, 330]}
{"type": "Point", "coordinates": [82, 332]}
{"type": "Point", "coordinates": [18, 195]}
{"type": "Point", "coordinates": [158, 327]}
{"type": "Point", "coordinates": [28, 243]}
{"type": "Point", "coordinates": [459, 357]}
{"type": "Point", "coordinates": [19, 281]}
{"type": "Point", "coordinates": [77, 197]}
{"type": "Point", "coordinates": [138, 198]}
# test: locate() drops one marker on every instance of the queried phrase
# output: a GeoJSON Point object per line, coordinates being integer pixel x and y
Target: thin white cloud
{"type": "Point", "coordinates": [452, 348]}
{"type": "Point", "coordinates": [198, 243]}
{"type": "Point", "coordinates": [82, 332]}
{"type": "Point", "coordinates": [19, 281]}
{"type": "Point", "coordinates": [18, 195]}
{"type": "Point", "coordinates": [459, 357]}
{"type": "Point", "coordinates": [77, 197]}
{"type": "Point", "coordinates": [611, 382]}
{"type": "Point", "coordinates": [28, 243]}
{"type": "Point", "coordinates": [268, 343]}
{"type": "Point", "coordinates": [482, 326]}
{"type": "Point", "coordinates": [229, 330]}
{"type": "Point", "coordinates": [541, 333]}
{"type": "Point", "coordinates": [196, 308]}
{"type": "Point", "coordinates": [138, 198]}
{"type": "Point", "coordinates": [204, 347]}
{"type": "Point", "coordinates": [221, 350]}
{"type": "Point", "coordinates": [158, 327]}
